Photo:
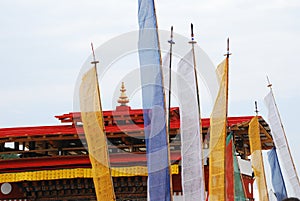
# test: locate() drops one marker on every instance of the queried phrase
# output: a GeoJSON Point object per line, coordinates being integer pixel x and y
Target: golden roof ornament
{"type": "Point", "coordinates": [123, 99]}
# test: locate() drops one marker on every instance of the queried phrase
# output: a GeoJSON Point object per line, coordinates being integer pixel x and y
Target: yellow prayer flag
{"type": "Point", "coordinates": [256, 158]}
{"type": "Point", "coordinates": [92, 119]}
{"type": "Point", "coordinates": [218, 121]}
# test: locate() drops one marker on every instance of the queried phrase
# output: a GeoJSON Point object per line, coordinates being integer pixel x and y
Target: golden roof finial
{"type": "Point", "coordinates": [123, 99]}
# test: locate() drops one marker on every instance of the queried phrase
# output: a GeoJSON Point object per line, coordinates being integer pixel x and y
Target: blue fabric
{"type": "Point", "coordinates": [153, 104]}
{"type": "Point", "coordinates": [277, 178]}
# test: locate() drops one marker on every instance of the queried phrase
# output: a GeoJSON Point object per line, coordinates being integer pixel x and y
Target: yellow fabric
{"type": "Point", "coordinates": [130, 171]}
{"type": "Point", "coordinates": [256, 159]}
{"type": "Point", "coordinates": [46, 175]}
{"type": "Point", "coordinates": [75, 173]}
{"type": "Point", "coordinates": [92, 119]}
{"type": "Point", "coordinates": [218, 138]}
{"type": "Point", "coordinates": [137, 170]}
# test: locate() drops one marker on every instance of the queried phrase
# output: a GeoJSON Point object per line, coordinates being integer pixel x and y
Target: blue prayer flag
{"type": "Point", "coordinates": [277, 178]}
{"type": "Point", "coordinates": [153, 104]}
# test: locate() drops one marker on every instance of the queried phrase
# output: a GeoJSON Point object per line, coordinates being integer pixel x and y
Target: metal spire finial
{"type": "Point", "coordinates": [228, 52]}
{"type": "Point", "coordinates": [171, 37]}
{"type": "Point", "coordinates": [269, 83]}
{"type": "Point", "coordinates": [256, 108]}
{"type": "Point", "coordinates": [192, 35]}
{"type": "Point", "coordinates": [94, 57]}
{"type": "Point", "coordinates": [192, 31]}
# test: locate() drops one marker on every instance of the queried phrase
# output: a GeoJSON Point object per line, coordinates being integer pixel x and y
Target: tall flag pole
{"type": "Point", "coordinates": [227, 83]}
{"type": "Point", "coordinates": [257, 159]}
{"type": "Point", "coordinates": [92, 118]}
{"type": "Point", "coordinates": [167, 81]}
{"type": "Point", "coordinates": [280, 140]}
{"type": "Point", "coordinates": [154, 106]}
{"type": "Point", "coordinates": [171, 42]}
{"type": "Point", "coordinates": [167, 75]}
{"type": "Point", "coordinates": [192, 178]}
{"type": "Point", "coordinates": [193, 42]}
{"type": "Point", "coordinates": [227, 187]}
{"type": "Point", "coordinates": [218, 132]}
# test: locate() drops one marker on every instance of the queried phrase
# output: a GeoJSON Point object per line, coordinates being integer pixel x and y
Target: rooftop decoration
{"type": "Point", "coordinates": [123, 99]}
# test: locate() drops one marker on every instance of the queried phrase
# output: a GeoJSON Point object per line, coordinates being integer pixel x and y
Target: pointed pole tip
{"type": "Point", "coordinates": [192, 35]}
{"type": "Point", "coordinates": [94, 57]}
{"type": "Point", "coordinates": [228, 44]}
{"type": "Point", "coordinates": [256, 108]}
{"type": "Point", "coordinates": [269, 83]}
{"type": "Point", "coordinates": [228, 52]}
{"type": "Point", "coordinates": [171, 36]}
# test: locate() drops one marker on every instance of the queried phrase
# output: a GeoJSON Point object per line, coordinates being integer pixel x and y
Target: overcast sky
{"type": "Point", "coordinates": [45, 43]}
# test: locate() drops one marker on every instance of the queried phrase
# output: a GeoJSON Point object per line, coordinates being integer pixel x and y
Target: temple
{"type": "Point", "coordinates": [51, 163]}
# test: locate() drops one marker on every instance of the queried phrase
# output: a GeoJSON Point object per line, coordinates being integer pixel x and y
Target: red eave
{"type": "Point", "coordinates": [26, 164]}
{"type": "Point", "coordinates": [69, 129]}
{"type": "Point", "coordinates": [39, 130]}
{"type": "Point", "coordinates": [60, 162]}
{"type": "Point", "coordinates": [83, 161]}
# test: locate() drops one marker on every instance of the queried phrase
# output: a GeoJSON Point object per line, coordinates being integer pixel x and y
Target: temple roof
{"type": "Point", "coordinates": [129, 122]}
{"type": "Point", "coordinates": [125, 131]}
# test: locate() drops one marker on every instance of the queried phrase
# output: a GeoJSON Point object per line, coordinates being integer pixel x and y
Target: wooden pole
{"type": "Point", "coordinates": [227, 83]}
{"type": "Point", "coordinates": [171, 42]}
{"type": "Point", "coordinates": [227, 94]}
{"type": "Point", "coordinates": [167, 129]}
{"type": "Point", "coordinates": [193, 42]}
